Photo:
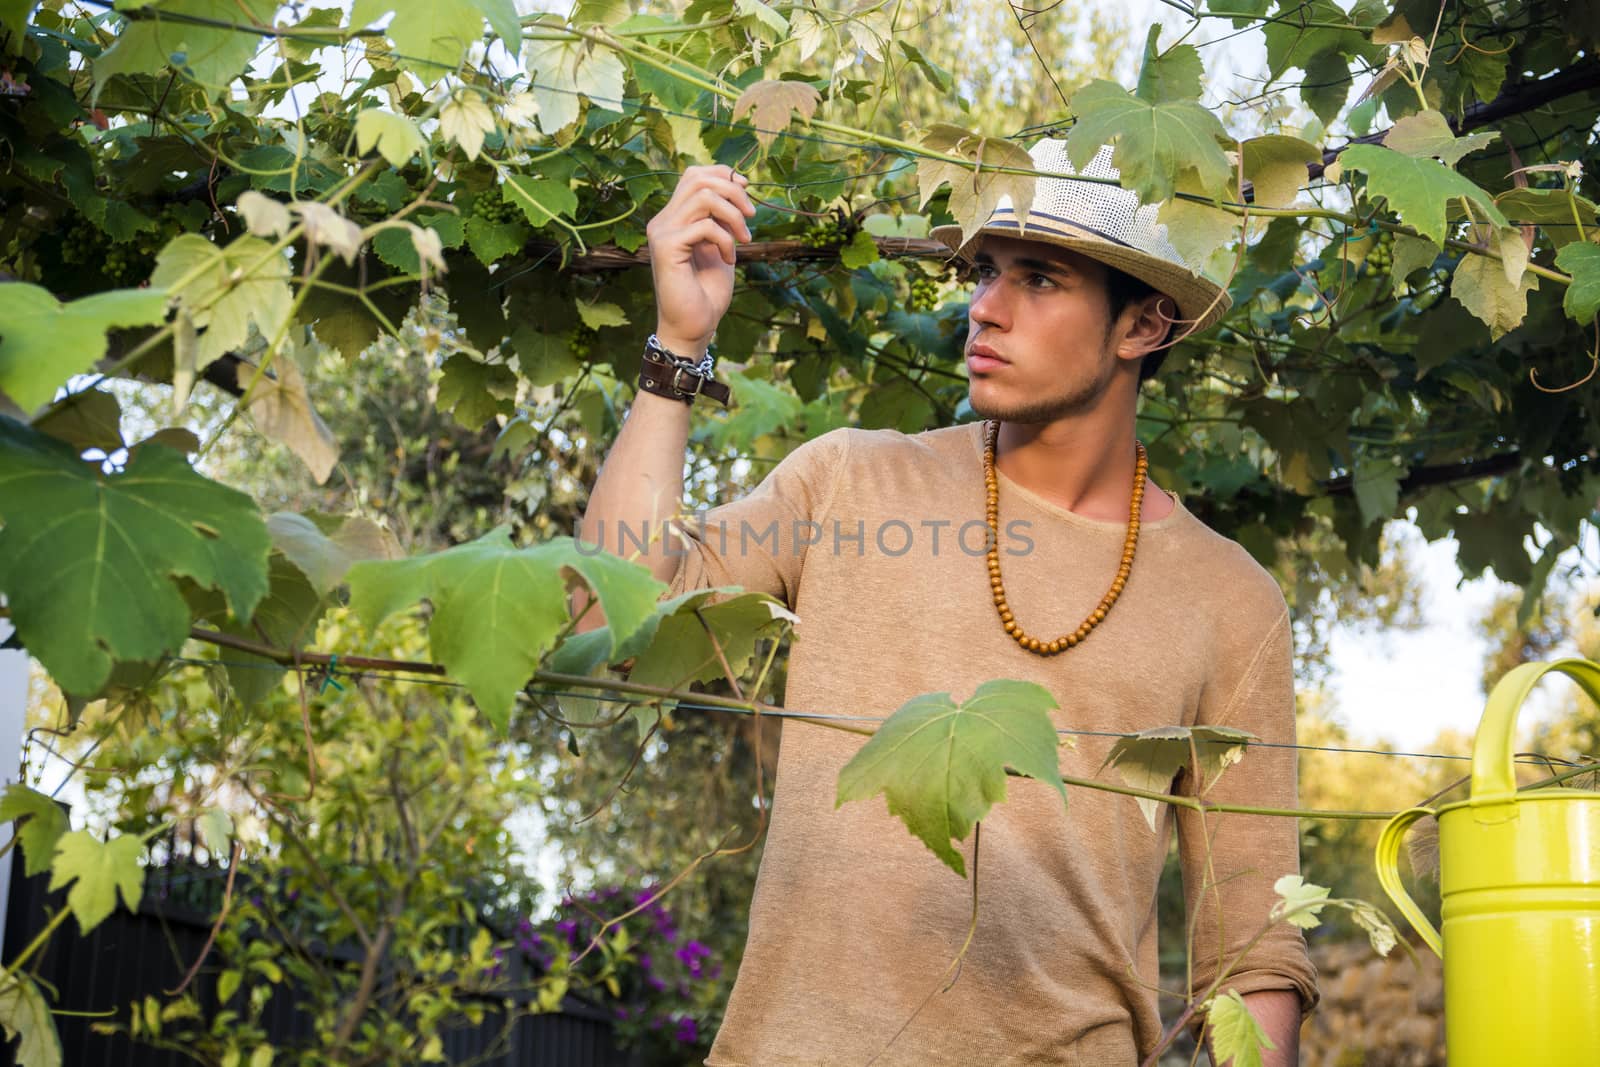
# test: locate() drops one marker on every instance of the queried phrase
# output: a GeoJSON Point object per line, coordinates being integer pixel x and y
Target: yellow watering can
{"type": "Point", "coordinates": [1519, 876]}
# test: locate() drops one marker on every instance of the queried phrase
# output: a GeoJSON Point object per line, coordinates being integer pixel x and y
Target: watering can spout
{"type": "Point", "coordinates": [1519, 883]}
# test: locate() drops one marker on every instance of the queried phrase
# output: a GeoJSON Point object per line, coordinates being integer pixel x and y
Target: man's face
{"type": "Point", "coordinates": [1041, 344]}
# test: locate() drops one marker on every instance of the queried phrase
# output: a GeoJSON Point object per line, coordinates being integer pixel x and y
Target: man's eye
{"type": "Point", "coordinates": [1041, 281]}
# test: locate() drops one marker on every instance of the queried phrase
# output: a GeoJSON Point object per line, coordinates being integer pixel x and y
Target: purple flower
{"type": "Point", "coordinates": [692, 956]}
{"type": "Point", "coordinates": [688, 1031]}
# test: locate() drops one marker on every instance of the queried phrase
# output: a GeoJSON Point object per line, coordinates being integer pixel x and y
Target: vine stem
{"type": "Point", "coordinates": [757, 707]}
{"type": "Point", "coordinates": [704, 80]}
{"type": "Point", "coordinates": [33, 946]}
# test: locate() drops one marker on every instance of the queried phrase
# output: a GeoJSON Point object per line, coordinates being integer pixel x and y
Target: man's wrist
{"type": "Point", "coordinates": [679, 377]}
{"type": "Point", "coordinates": [686, 348]}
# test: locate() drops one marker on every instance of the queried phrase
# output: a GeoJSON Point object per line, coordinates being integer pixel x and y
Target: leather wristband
{"type": "Point", "coordinates": [664, 374]}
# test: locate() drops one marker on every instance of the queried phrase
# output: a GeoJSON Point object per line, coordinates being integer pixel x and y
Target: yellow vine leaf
{"type": "Point", "coordinates": [769, 104]}
{"type": "Point", "coordinates": [977, 190]}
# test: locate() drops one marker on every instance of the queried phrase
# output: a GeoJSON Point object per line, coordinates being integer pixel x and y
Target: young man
{"type": "Point", "coordinates": [1027, 546]}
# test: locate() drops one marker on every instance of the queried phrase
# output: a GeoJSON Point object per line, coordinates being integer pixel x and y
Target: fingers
{"type": "Point", "coordinates": [714, 232]}
{"type": "Point", "coordinates": [707, 192]}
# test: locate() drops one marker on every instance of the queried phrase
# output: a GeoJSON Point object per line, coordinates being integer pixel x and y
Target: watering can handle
{"type": "Point", "coordinates": [1493, 780]}
{"type": "Point", "coordinates": [1389, 875]}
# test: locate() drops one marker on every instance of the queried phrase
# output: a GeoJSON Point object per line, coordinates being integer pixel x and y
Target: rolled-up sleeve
{"type": "Point", "coordinates": [1230, 898]}
{"type": "Point", "coordinates": [759, 542]}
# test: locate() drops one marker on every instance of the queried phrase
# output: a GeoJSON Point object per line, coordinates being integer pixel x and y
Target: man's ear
{"type": "Point", "coordinates": [1149, 321]}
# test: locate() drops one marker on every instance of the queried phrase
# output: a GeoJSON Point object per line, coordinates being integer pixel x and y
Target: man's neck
{"type": "Point", "coordinates": [1082, 464]}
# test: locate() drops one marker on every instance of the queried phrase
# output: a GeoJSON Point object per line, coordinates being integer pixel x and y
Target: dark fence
{"type": "Point", "coordinates": [131, 956]}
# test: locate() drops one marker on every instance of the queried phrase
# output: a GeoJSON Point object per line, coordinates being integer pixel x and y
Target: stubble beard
{"type": "Point", "coordinates": [1081, 399]}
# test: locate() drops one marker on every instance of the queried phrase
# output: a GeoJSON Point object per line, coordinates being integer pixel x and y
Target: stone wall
{"type": "Point", "coordinates": [1375, 1012]}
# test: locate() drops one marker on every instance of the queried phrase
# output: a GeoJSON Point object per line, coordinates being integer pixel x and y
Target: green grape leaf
{"type": "Point", "coordinates": [1376, 484]}
{"type": "Point", "coordinates": [1313, 28]}
{"type": "Point", "coordinates": [1481, 286]}
{"type": "Point", "coordinates": [225, 289]}
{"type": "Point", "coordinates": [396, 137]}
{"type": "Point", "coordinates": [1299, 901]}
{"type": "Point", "coordinates": [1483, 66]}
{"type": "Point", "coordinates": [1417, 189]}
{"type": "Point", "coordinates": [324, 547]}
{"type": "Point", "coordinates": [1236, 1038]}
{"type": "Point", "coordinates": [1275, 165]}
{"type": "Point", "coordinates": [769, 103]}
{"type": "Point", "coordinates": [88, 559]}
{"type": "Point", "coordinates": [1173, 75]}
{"type": "Point", "coordinates": [285, 618]}
{"type": "Point", "coordinates": [97, 871]}
{"type": "Point", "coordinates": [430, 39]}
{"type": "Point", "coordinates": [24, 1013]}
{"type": "Point", "coordinates": [90, 419]}
{"type": "Point", "coordinates": [861, 251]}
{"type": "Point", "coordinates": [942, 765]}
{"type": "Point", "coordinates": [213, 55]}
{"type": "Point", "coordinates": [504, 21]}
{"type": "Point", "coordinates": [1562, 215]}
{"type": "Point", "coordinates": [541, 199]}
{"type": "Point", "coordinates": [601, 313]}
{"type": "Point", "coordinates": [497, 609]}
{"type": "Point", "coordinates": [41, 822]}
{"type": "Point", "coordinates": [1327, 85]}
{"type": "Point", "coordinates": [1582, 261]}
{"type": "Point", "coordinates": [680, 651]}
{"type": "Point", "coordinates": [1149, 759]}
{"type": "Point", "coordinates": [1197, 230]}
{"type": "Point", "coordinates": [760, 408]}
{"type": "Point", "coordinates": [543, 358]}
{"type": "Point", "coordinates": [492, 241]}
{"type": "Point", "coordinates": [764, 15]}
{"type": "Point", "coordinates": [216, 830]}
{"type": "Point", "coordinates": [1410, 253]}
{"type": "Point", "coordinates": [475, 392]}
{"type": "Point", "coordinates": [44, 342]}
{"type": "Point", "coordinates": [936, 74]}
{"type": "Point", "coordinates": [1428, 133]}
{"type": "Point", "coordinates": [396, 247]}
{"type": "Point", "coordinates": [1155, 143]}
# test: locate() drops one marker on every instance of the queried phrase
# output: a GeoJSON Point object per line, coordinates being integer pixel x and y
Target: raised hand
{"type": "Point", "coordinates": [692, 253]}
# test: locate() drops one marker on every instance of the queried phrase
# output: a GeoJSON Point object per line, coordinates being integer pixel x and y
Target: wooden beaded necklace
{"type": "Point", "coordinates": [992, 514]}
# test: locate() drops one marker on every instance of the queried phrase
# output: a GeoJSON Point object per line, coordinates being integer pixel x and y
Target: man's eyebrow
{"type": "Point", "coordinates": [1049, 266]}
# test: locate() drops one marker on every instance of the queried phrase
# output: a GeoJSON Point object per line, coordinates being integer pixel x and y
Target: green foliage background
{"type": "Point", "coordinates": [402, 241]}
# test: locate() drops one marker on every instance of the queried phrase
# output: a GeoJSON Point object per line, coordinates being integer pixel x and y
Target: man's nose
{"type": "Point", "coordinates": [988, 306]}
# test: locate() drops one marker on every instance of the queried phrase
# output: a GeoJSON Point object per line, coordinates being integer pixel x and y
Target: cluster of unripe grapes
{"type": "Point", "coordinates": [580, 341]}
{"type": "Point", "coordinates": [123, 263]}
{"type": "Point", "coordinates": [924, 293]}
{"type": "Point", "coordinates": [824, 233]}
{"type": "Point", "coordinates": [492, 206]}
{"type": "Point", "coordinates": [1381, 257]}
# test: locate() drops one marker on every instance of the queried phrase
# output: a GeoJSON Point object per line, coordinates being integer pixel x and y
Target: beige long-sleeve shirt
{"type": "Point", "coordinates": [876, 539]}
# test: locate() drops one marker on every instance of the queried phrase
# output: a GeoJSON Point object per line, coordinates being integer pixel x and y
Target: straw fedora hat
{"type": "Point", "coordinates": [1106, 223]}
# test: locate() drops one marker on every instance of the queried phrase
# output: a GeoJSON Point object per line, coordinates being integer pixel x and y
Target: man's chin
{"type": "Point", "coordinates": [1038, 411]}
